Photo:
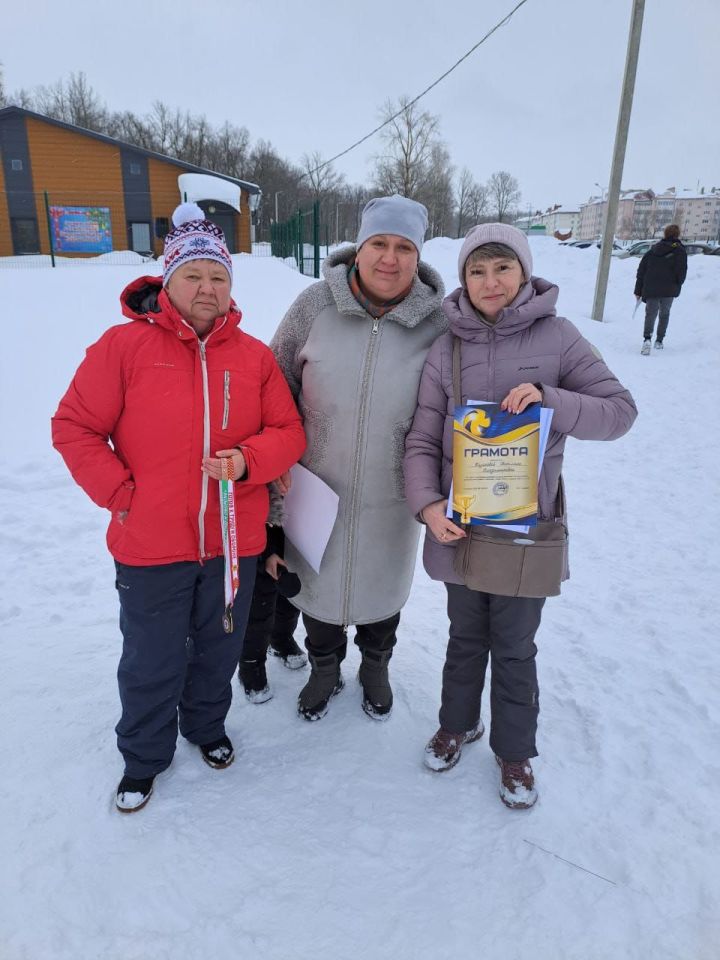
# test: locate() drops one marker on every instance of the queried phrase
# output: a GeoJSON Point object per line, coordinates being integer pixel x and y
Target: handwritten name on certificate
{"type": "Point", "coordinates": [495, 464]}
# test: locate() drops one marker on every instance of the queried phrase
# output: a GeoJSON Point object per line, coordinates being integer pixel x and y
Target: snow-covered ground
{"type": "Point", "coordinates": [330, 840]}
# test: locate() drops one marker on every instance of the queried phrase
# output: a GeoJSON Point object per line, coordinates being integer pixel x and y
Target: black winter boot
{"type": "Point", "coordinates": [288, 651]}
{"type": "Point", "coordinates": [373, 675]}
{"type": "Point", "coordinates": [133, 794]}
{"type": "Point", "coordinates": [325, 681]}
{"type": "Point", "coordinates": [254, 680]}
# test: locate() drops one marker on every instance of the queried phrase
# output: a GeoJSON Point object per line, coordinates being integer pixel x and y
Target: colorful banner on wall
{"type": "Point", "coordinates": [81, 229]}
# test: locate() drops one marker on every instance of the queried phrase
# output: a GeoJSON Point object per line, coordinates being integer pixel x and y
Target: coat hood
{"type": "Point", "coordinates": [536, 299]}
{"type": "Point", "coordinates": [426, 293]}
{"type": "Point", "coordinates": [664, 247]}
{"type": "Point", "coordinates": [146, 299]}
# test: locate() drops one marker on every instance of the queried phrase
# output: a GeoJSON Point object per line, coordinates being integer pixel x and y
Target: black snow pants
{"type": "Point", "coordinates": [177, 661]}
{"type": "Point", "coordinates": [272, 617]}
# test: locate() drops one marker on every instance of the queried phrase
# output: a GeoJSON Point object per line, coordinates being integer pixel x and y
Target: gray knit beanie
{"type": "Point", "coordinates": [496, 233]}
{"type": "Point", "coordinates": [396, 215]}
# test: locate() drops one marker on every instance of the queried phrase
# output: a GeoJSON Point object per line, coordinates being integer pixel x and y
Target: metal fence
{"type": "Point", "coordinates": [299, 239]}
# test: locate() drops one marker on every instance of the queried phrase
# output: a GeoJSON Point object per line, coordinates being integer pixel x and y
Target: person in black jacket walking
{"type": "Point", "coordinates": [660, 276]}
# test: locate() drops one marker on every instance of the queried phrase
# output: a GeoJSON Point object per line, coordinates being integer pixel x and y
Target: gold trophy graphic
{"type": "Point", "coordinates": [464, 503]}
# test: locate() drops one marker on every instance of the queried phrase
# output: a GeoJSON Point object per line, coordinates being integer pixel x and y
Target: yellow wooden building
{"type": "Point", "coordinates": [86, 193]}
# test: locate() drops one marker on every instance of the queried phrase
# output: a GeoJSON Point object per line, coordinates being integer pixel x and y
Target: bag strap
{"type": "Point", "coordinates": [457, 397]}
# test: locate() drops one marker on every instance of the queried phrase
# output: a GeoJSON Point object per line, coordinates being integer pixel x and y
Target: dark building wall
{"type": "Point", "coordinates": [18, 177]}
{"type": "Point", "coordinates": [136, 188]}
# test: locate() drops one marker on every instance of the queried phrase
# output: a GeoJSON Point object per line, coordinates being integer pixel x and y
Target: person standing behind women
{"type": "Point", "coordinates": [660, 276]}
{"type": "Point", "coordinates": [159, 409]}
{"type": "Point", "coordinates": [509, 333]}
{"type": "Point", "coordinates": [352, 349]}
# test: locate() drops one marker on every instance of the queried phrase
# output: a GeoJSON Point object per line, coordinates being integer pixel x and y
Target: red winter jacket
{"type": "Point", "coordinates": [148, 402]}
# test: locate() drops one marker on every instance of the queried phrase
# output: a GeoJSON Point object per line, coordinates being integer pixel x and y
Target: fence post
{"type": "Point", "coordinates": [49, 226]}
{"type": "Point", "coordinates": [316, 239]}
{"type": "Point", "coordinates": [300, 242]}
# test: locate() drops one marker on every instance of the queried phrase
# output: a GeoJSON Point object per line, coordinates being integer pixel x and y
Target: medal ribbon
{"type": "Point", "coordinates": [229, 538]}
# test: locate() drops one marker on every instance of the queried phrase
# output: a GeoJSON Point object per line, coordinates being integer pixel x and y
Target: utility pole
{"type": "Point", "coordinates": [613, 195]}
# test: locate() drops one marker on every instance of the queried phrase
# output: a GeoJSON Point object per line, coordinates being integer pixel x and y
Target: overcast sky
{"type": "Point", "coordinates": [540, 98]}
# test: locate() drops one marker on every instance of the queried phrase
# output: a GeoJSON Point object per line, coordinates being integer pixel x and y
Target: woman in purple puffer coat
{"type": "Point", "coordinates": [515, 351]}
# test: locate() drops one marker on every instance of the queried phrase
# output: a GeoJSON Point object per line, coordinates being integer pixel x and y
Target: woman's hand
{"type": "Point", "coordinates": [283, 483]}
{"type": "Point", "coordinates": [520, 397]}
{"type": "Point", "coordinates": [442, 527]}
{"type": "Point", "coordinates": [212, 466]}
{"type": "Point", "coordinates": [272, 563]}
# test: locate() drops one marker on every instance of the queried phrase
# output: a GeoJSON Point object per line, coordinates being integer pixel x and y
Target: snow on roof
{"type": "Point", "coordinates": [203, 186]}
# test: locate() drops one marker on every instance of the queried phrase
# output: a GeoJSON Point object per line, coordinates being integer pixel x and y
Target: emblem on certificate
{"type": "Point", "coordinates": [495, 464]}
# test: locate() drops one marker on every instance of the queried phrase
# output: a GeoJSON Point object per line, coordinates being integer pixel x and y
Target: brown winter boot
{"type": "Point", "coordinates": [517, 785]}
{"type": "Point", "coordinates": [443, 751]}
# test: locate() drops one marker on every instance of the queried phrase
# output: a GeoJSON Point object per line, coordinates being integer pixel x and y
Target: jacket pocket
{"type": "Point", "coordinates": [318, 427]}
{"type": "Point", "coordinates": [397, 455]}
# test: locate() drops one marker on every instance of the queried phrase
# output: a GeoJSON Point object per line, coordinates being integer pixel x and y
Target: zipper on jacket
{"type": "Point", "coordinates": [352, 508]}
{"type": "Point", "coordinates": [226, 400]}
{"type": "Point", "coordinates": [206, 446]}
{"type": "Point", "coordinates": [492, 363]}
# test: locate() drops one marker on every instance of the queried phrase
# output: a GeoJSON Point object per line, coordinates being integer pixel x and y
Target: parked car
{"type": "Point", "coordinates": [637, 249]}
{"type": "Point", "coordinates": [693, 248]}
{"type": "Point", "coordinates": [713, 251]}
{"type": "Point", "coordinates": [584, 244]}
{"type": "Point", "coordinates": [641, 247]}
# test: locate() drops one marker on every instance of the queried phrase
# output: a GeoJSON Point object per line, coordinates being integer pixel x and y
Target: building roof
{"type": "Point", "coordinates": [190, 167]}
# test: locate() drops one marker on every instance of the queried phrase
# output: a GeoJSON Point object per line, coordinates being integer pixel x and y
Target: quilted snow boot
{"type": "Point", "coordinates": [373, 676]}
{"type": "Point", "coordinates": [325, 681]}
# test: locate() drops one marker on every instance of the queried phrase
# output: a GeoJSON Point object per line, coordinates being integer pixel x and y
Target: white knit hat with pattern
{"type": "Point", "coordinates": [193, 238]}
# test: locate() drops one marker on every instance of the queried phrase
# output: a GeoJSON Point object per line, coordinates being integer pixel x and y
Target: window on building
{"type": "Point", "coordinates": [135, 169]}
{"type": "Point", "coordinates": [162, 227]}
{"type": "Point", "coordinates": [16, 164]}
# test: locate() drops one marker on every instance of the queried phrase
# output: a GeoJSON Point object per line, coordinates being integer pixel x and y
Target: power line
{"type": "Point", "coordinates": [501, 23]}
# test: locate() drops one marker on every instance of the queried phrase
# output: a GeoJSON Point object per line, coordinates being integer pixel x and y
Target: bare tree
{"type": "Point", "coordinates": [504, 193]}
{"type": "Point", "coordinates": [436, 191]}
{"type": "Point", "coordinates": [471, 201]}
{"type": "Point", "coordinates": [408, 142]}
{"type": "Point", "coordinates": [75, 102]}
{"type": "Point", "coordinates": [3, 99]}
{"type": "Point", "coordinates": [478, 203]}
{"type": "Point", "coordinates": [321, 179]}
{"type": "Point", "coordinates": [679, 217]}
{"type": "Point", "coordinates": [228, 150]}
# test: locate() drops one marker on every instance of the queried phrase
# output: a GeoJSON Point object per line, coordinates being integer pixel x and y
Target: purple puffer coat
{"type": "Point", "coordinates": [528, 343]}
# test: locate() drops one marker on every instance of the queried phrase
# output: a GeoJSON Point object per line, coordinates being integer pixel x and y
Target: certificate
{"type": "Point", "coordinates": [496, 458]}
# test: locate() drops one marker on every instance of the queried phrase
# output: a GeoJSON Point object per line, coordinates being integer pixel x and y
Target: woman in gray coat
{"type": "Point", "coordinates": [352, 349]}
{"type": "Point", "coordinates": [515, 351]}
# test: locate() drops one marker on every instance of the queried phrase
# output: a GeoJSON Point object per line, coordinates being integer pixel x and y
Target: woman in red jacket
{"type": "Point", "coordinates": [160, 410]}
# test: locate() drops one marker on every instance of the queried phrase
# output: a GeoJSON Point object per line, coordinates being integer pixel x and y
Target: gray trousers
{"type": "Point", "coordinates": [484, 625]}
{"type": "Point", "coordinates": [653, 306]}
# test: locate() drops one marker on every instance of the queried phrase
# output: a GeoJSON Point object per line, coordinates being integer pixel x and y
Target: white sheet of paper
{"type": "Point", "coordinates": [546, 415]}
{"type": "Point", "coordinates": [310, 511]}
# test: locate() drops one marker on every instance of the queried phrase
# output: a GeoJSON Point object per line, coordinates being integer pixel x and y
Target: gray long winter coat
{"type": "Point", "coordinates": [356, 381]}
{"type": "Point", "coordinates": [528, 343]}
